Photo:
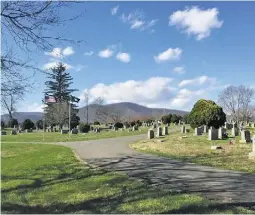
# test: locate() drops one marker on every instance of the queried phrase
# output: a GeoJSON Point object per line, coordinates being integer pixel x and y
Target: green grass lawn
{"type": "Point", "coordinates": [196, 149]}
{"type": "Point", "coordinates": [42, 178]}
{"type": "Point", "coordinates": [58, 137]}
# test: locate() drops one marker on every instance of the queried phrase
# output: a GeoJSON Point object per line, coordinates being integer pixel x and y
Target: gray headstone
{"type": "Point", "coordinates": [212, 134]}
{"type": "Point", "coordinates": [245, 136]}
{"type": "Point", "coordinates": [198, 131]}
{"type": "Point", "coordinates": [135, 128]}
{"type": "Point", "coordinates": [183, 129]}
{"type": "Point", "coordinates": [252, 154]}
{"type": "Point", "coordinates": [150, 134]}
{"type": "Point", "coordinates": [159, 131]}
{"type": "Point", "coordinates": [14, 132]}
{"type": "Point", "coordinates": [74, 131]}
{"type": "Point", "coordinates": [64, 131]}
{"type": "Point", "coordinates": [3, 132]}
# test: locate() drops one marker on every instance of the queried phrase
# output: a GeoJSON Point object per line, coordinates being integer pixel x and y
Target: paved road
{"type": "Point", "coordinates": [176, 176]}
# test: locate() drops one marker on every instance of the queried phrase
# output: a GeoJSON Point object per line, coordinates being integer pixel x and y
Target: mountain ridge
{"type": "Point", "coordinates": [125, 109]}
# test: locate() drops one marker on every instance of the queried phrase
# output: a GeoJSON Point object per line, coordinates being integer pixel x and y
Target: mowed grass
{"type": "Point", "coordinates": [43, 178]}
{"type": "Point", "coordinates": [197, 149]}
{"type": "Point", "coordinates": [58, 137]}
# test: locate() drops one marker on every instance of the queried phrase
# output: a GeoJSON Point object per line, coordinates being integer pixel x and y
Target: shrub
{"type": "Point", "coordinates": [2, 124]}
{"type": "Point", "coordinates": [127, 124]}
{"type": "Point", "coordinates": [12, 123]}
{"type": "Point", "coordinates": [132, 123]}
{"type": "Point", "coordinates": [185, 118]}
{"type": "Point", "coordinates": [118, 125]}
{"type": "Point", "coordinates": [206, 112]}
{"type": "Point", "coordinates": [39, 124]}
{"type": "Point", "coordinates": [96, 123]}
{"type": "Point", "coordinates": [28, 124]}
{"type": "Point", "coordinates": [175, 118]}
{"type": "Point", "coordinates": [166, 119]}
{"type": "Point", "coordinates": [139, 123]}
{"type": "Point", "coordinates": [84, 127]}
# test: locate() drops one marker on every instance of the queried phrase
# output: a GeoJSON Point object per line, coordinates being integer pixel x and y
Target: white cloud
{"type": "Point", "coordinates": [31, 107]}
{"type": "Point", "coordinates": [185, 98]}
{"type": "Point", "coordinates": [89, 53]}
{"type": "Point", "coordinates": [145, 92]}
{"type": "Point", "coordinates": [123, 57]}
{"type": "Point", "coordinates": [59, 53]}
{"type": "Point", "coordinates": [197, 81]}
{"type": "Point", "coordinates": [137, 24]}
{"type": "Point", "coordinates": [56, 52]}
{"type": "Point", "coordinates": [179, 70]}
{"type": "Point", "coordinates": [137, 20]}
{"type": "Point", "coordinates": [169, 54]}
{"type": "Point", "coordinates": [161, 92]}
{"type": "Point", "coordinates": [114, 10]}
{"type": "Point", "coordinates": [68, 51]}
{"type": "Point", "coordinates": [106, 53]}
{"type": "Point", "coordinates": [196, 21]}
{"type": "Point", "coordinates": [53, 64]}
{"type": "Point", "coordinates": [79, 67]}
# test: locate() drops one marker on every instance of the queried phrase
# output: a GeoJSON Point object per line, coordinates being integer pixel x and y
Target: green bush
{"type": "Point", "coordinates": [96, 123]}
{"type": "Point", "coordinates": [127, 124]}
{"type": "Point", "coordinates": [118, 125]}
{"type": "Point", "coordinates": [84, 128]}
{"type": "Point", "coordinates": [139, 123]}
{"type": "Point", "coordinates": [175, 118]}
{"type": "Point", "coordinates": [39, 124]}
{"type": "Point", "coordinates": [28, 124]}
{"type": "Point", "coordinates": [206, 112]}
{"type": "Point", "coordinates": [185, 118]}
{"type": "Point", "coordinates": [12, 123]}
{"type": "Point", "coordinates": [2, 124]}
{"type": "Point", "coordinates": [166, 119]}
{"type": "Point", "coordinates": [132, 123]}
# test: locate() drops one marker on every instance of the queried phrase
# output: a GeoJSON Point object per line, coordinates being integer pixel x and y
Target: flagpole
{"type": "Point", "coordinates": [69, 117]}
{"type": "Point", "coordinates": [43, 117]}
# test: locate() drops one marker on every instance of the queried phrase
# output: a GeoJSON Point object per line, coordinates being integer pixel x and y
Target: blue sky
{"type": "Point", "coordinates": [158, 54]}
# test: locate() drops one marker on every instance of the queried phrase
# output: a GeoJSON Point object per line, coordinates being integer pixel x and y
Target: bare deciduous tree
{"type": "Point", "coordinates": [9, 101]}
{"type": "Point", "coordinates": [236, 101]}
{"type": "Point", "coordinates": [26, 29]}
{"type": "Point", "coordinates": [58, 113]}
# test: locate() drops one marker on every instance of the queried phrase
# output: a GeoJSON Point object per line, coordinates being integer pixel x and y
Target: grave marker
{"type": "Point", "coordinates": [150, 134]}
{"type": "Point", "coordinates": [165, 130]}
{"type": "Point", "coordinates": [245, 136]}
{"type": "Point", "coordinates": [212, 134]}
{"type": "Point", "coordinates": [159, 131]}
{"type": "Point", "coordinates": [252, 154]}
{"type": "Point", "coordinates": [183, 129]}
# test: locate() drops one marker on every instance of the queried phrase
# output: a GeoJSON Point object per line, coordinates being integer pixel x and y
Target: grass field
{"type": "Point", "coordinates": [58, 137]}
{"type": "Point", "coordinates": [196, 149]}
{"type": "Point", "coordinates": [43, 178]}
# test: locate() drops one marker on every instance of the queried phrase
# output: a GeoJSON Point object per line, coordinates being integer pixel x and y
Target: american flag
{"type": "Point", "coordinates": [49, 99]}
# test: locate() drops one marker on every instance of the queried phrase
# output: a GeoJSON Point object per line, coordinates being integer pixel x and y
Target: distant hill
{"type": "Point", "coordinates": [21, 116]}
{"type": "Point", "coordinates": [126, 109]}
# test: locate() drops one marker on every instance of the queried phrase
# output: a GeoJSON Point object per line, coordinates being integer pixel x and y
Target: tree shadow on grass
{"type": "Point", "coordinates": [175, 177]}
{"type": "Point", "coordinates": [182, 177]}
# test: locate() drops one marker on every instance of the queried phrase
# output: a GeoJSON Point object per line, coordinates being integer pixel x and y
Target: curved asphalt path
{"type": "Point", "coordinates": [176, 176]}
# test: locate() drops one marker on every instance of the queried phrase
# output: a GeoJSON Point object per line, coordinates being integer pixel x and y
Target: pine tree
{"type": "Point", "coordinates": [58, 86]}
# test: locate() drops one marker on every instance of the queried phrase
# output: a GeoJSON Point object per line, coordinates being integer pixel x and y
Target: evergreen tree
{"type": "Point", "coordinates": [58, 86]}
